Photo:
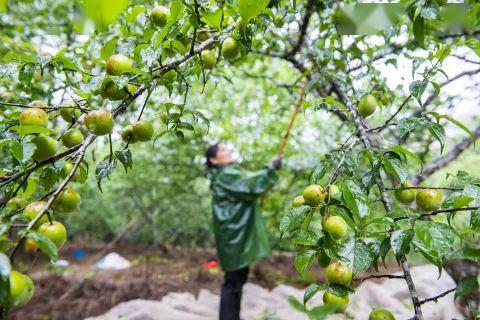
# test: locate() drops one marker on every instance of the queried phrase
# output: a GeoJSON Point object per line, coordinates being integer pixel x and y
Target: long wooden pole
{"type": "Point", "coordinates": [293, 116]}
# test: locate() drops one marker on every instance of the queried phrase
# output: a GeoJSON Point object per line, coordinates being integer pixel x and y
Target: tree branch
{"type": "Point", "coordinates": [303, 29]}
{"type": "Point", "coordinates": [435, 298]}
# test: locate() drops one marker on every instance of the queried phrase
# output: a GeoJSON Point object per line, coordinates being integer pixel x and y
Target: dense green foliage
{"type": "Point", "coordinates": [50, 53]}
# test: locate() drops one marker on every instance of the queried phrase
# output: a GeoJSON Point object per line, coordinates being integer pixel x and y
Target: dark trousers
{"type": "Point", "coordinates": [231, 294]}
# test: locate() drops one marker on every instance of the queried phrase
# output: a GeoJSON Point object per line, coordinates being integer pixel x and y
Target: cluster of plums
{"type": "Point", "coordinates": [335, 272]}
{"type": "Point", "coordinates": [426, 199]}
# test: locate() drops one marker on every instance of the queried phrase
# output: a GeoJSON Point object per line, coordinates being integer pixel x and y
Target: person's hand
{"type": "Point", "coordinates": [276, 163]}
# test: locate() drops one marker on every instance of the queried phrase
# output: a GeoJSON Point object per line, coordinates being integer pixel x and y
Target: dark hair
{"type": "Point", "coordinates": [211, 152]}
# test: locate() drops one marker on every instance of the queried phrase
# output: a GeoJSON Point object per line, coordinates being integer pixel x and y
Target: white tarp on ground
{"type": "Point", "coordinates": [392, 294]}
{"type": "Point", "coordinates": [113, 261]}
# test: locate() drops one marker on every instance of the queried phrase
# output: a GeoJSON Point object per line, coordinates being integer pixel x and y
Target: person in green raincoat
{"type": "Point", "coordinates": [240, 233]}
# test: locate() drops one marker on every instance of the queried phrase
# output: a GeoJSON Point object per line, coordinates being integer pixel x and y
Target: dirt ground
{"type": "Point", "coordinates": [80, 291]}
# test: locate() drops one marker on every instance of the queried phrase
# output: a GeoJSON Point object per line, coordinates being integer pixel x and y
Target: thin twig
{"type": "Point", "coordinates": [434, 213]}
{"type": "Point", "coordinates": [435, 298]}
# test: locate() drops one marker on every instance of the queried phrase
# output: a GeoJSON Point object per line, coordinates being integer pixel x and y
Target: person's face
{"type": "Point", "coordinates": [224, 156]}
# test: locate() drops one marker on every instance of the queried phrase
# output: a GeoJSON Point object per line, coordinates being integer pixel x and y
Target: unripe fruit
{"type": "Point", "coordinates": [99, 122]}
{"type": "Point", "coordinates": [323, 259]}
{"type": "Point", "coordinates": [66, 169]}
{"type": "Point", "coordinates": [314, 195]}
{"type": "Point", "coordinates": [16, 203]}
{"type": "Point", "coordinates": [46, 147]}
{"type": "Point", "coordinates": [298, 201]}
{"type": "Point", "coordinates": [279, 21]}
{"type": "Point", "coordinates": [33, 117]}
{"type": "Point", "coordinates": [21, 289]}
{"type": "Point", "coordinates": [118, 64]}
{"type": "Point", "coordinates": [127, 134]}
{"type": "Point", "coordinates": [111, 91]}
{"type": "Point", "coordinates": [209, 59]}
{"type": "Point", "coordinates": [406, 196]}
{"type": "Point", "coordinates": [381, 314]}
{"type": "Point", "coordinates": [336, 226]}
{"type": "Point", "coordinates": [70, 115]}
{"type": "Point", "coordinates": [160, 15]}
{"type": "Point", "coordinates": [429, 199]}
{"type": "Point", "coordinates": [340, 303]}
{"type": "Point", "coordinates": [67, 201]}
{"type": "Point", "coordinates": [230, 48]}
{"type": "Point", "coordinates": [338, 273]}
{"type": "Point", "coordinates": [33, 209]}
{"type": "Point", "coordinates": [30, 246]}
{"type": "Point", "coordinates": [37, 76]}
{"type": "Point", "coordinates": [164, 117]}
{"type": "Point", "coordinates": [203, 35]}
{"type": "Point", "coordinates": [142, 130]}
{"type": "Point", "coordinates": [72, 137]}
{"type": "Point", "coordinates": [54, 231]}
{"type": "Point", "coordinates": [367, 105]}
{"type": "Point", "coordinates": [170, 75]}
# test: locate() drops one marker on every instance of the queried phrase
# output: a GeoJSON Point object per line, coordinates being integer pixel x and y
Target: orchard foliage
{"type": "Point", "coordinates": [136, 82]}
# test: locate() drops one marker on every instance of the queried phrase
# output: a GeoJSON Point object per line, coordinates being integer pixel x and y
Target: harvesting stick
{"type": "Point", "coordinates": [293, 116]}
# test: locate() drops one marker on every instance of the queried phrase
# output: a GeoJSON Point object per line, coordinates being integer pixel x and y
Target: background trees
{"type": "Point", "coordinates": [423, 75]}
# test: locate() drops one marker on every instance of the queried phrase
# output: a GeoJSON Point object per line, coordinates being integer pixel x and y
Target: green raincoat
{"type": "Point", "coordinates": [238, 225]}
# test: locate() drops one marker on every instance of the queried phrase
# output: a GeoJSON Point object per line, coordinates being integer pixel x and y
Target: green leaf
{"type": "Point", "coordinates": [435, 235]}
{"type": "Point", "coordinates": [125, 157]}
{"type": "Point", "coordinates": [400, 241]}
{"type": "Point", "coordinates": [340, 290]}
{"type": "Point", "coordinates": [396, 168]}
{"type": "Point", "coordinates": [355, 199]}
{"type": "Point", "coordinates": [454, 121]}
{"type": "Point", "coordinates": [465, 253]}
{"type": "Point", "coordinates": [103, 170]}
{"type": "Point", "coordinates": [358, 254]}
{"type": "Point", "coordinates": [133, 13]}
{"type": "Point", "coordinates": [26, 130]}
{"type": "Point", "coordinates": [431, 255]}
{"type": "Point", "coordinates": [297, 305]}
{"type": "Point", "coordinates": [303, 260]}
{"type": "Point", "coordinates": [417, 88]}
{"type": "Point", "coordinates": [438, 133]}
{"type": "Point", "coordinates": [466, 285]}
{"type": "Point", "coordinates": [251, 8]}
{"type": "Point", "coordinates": [305, 237]}
{"type": "Point", "coordinates": [45, 244]}
{"type": "Point", "coordinates": [104, 12]}
{"type": "Point", "coordinates": [407, 125]}
{"type": "Point", "coordinates": [213, 18]}
{"type": "Point", "coordinates": [322, 312]}
{"type": "Point", "coordinates": [293, 219]}
{"type": "Point", "coordinates": [109, 48]}
{"type": "Point", "coordinates": [312, 290]}
{"type": "Point", "coordinates": [406, 152]}
{"type": "Point", "coordinates": [26, 72]}
{"type": "Point", "coordinates": [419, 30]}
{"type": "Point", "coordinates": [457, 201]}
{"type": "Point", "coordinates": [319, 171]}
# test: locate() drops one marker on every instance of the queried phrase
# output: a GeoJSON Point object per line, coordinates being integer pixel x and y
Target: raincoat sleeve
{"type": "Point", "coordinates": [246, 186]}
